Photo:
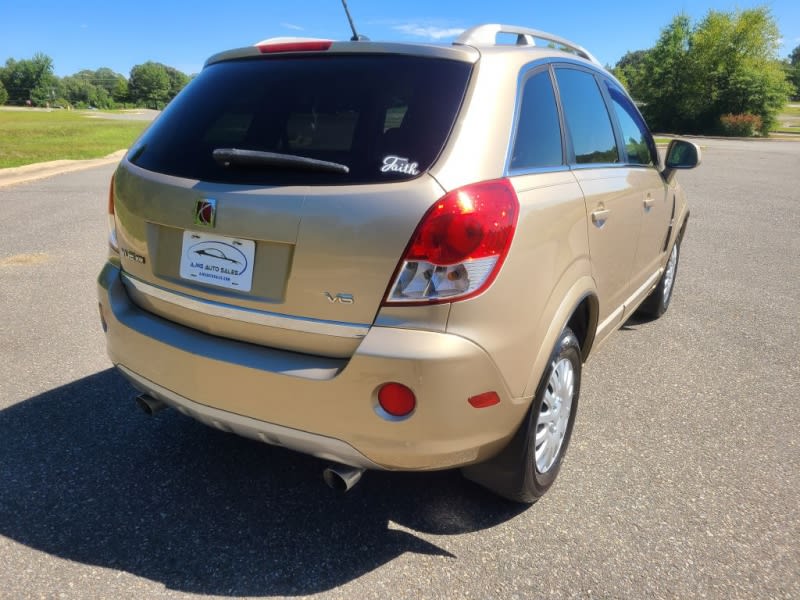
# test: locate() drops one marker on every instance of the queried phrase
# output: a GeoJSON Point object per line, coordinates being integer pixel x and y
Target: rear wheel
{"type": "Point", "coordinates": [528, 466]}
{"type": "Point", "coordinates": [657, 303]}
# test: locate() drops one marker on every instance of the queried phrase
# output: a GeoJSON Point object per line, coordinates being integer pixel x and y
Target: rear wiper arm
{"type": "Point", "coordinates": [235, 157]}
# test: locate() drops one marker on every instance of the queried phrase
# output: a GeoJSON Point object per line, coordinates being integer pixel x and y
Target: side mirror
{"type": "Point", "coordinates": [681, 155]}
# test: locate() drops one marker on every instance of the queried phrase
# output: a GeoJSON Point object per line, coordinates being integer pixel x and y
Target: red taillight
{"type": "Point", "coordinates": [396, 399]}
{"type": "Point", "coordinates": [299, 46]}
{"type": "Point", "coordinates": [459, 246]}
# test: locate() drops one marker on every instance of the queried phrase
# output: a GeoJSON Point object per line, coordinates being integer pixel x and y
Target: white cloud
{"type": "Point", "coordinates": [292, 26]}
{"type": "Point", "coordinates": [428, 31]}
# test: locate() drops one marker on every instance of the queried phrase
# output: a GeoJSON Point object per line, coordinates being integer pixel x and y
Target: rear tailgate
{"type": "Point", "coordinates": [321, 262]}
{"type": "Point", "coordinates": [291, 258]}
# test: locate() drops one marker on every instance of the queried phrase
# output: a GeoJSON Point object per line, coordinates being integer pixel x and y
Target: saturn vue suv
{"type": "Point", "coordinates": [391, 256]}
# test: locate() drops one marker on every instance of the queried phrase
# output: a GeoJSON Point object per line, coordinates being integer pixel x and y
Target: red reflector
{"type": "Point", "coordinates": [310, 46]}
{"type": "Point", "coordinates": [485, 399]}
{"type": "Point", "coordinates": [396, 399]}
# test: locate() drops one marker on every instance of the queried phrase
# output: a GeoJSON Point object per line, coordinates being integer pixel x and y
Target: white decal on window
{"type": "Point", "coordinates": [398, 164]}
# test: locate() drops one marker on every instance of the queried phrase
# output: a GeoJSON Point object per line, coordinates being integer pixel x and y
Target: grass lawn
{"type": "Point", "coordinates": [792, 109]}
{"type": "Point", "coordinates": [786, 130]}
{"type": "Point", "coordinates": [788, 120]}
{"type": "Point", "coordinates": [35, 136]}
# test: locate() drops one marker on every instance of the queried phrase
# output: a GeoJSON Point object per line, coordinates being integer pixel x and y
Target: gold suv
{"type": "Point", "coordinates": [391, 256]}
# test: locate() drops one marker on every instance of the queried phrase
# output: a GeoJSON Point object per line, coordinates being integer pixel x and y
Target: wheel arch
{"type": "Point", "coordinates": [583, 323]}
{"type": "Point", "coordinates": [684, 224]}
{"type": "Point", "coordinates": [579, 310]}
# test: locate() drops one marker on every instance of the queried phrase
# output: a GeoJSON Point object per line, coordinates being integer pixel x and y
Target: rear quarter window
{"type": "Point", "coordinates": [538, 138]}
{"type": "Point", "coordinates": [386, 117]}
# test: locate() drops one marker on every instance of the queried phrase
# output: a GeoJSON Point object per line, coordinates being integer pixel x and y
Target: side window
{"type": "Point", "coordinates": [638, 141]}
{"type": "Point", "coordinates": [538, 141]}
{"type": "Point", "coordinates": [587, 119]}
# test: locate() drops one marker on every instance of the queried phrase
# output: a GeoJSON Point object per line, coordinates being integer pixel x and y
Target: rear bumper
{"type": "Point", "coordinates": [319, 405]}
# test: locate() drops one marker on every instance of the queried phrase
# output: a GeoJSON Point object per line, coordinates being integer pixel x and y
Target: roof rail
{"type": "Point", "coordinates": [486, 35]}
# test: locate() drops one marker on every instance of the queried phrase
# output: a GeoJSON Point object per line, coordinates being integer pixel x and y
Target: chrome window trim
{"type": "Point", "coordinates": [584, 166]}
{"type": "Point", "coordinates": [535, 171]}
{"type": "Point", "coordinates": [248, 315]}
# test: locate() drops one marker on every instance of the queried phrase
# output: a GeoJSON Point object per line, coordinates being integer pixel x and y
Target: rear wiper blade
{"type": "Point", "coordinates": [236, 157]}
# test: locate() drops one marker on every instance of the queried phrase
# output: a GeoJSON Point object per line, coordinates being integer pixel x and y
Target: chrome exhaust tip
{"type": "Point", "coordinates": [342, 477]}
{"type": "Point", "coordinates": [149, 405]}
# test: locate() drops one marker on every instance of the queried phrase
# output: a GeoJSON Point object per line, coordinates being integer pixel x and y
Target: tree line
{"type": "Point", "coordinates": [721, 75]}
{"type": "Point", "coordinates": [31, 82]}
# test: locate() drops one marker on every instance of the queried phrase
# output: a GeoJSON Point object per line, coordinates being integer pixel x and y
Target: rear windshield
{"type": "Point", "coordinates": [385, 117]}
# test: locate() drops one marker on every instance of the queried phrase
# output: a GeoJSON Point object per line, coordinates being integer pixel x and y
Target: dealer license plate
{"type": "Point", "coordinates": [216, 260]}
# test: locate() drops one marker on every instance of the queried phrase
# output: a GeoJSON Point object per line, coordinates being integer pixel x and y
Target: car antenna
{"type": "Point", "coordinates": [355, 37]}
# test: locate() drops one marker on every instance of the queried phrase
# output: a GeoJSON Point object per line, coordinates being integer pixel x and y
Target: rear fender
{"type": "Point", "coordinates": [562, 311]}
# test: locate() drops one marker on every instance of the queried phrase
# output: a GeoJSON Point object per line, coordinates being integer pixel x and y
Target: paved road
{"type": "Point", "coordinates": [682, 479]}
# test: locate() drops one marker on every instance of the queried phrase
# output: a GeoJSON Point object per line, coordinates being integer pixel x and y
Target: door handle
{"type": "Point", "coordinates": [600, 216]}
{"type": "Point", "coordinates": [649, 202]}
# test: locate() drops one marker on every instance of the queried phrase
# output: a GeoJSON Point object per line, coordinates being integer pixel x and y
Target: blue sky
{"type": "Point", "coordinates": [88, 35]}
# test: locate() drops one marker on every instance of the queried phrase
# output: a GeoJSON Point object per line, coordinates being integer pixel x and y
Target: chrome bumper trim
{"type": "Point", "coordinates": [247, 315]}
{"type": "Point", "coordinates": [321, 446]}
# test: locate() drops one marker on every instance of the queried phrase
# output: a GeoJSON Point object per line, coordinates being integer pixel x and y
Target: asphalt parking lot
{"type": "Point", "coordinates": [681, 481]}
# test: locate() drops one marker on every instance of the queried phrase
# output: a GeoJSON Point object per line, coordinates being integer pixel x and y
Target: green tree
{"type": "Point", "coordinates": [793, 70]}
{"type": "Point", "coordinates": [667, 79]}
{"type": "Point", "coordinates": [3, 94]}
{"type": "Point", "coordinates": [726, 64]}
{"type": "Point", "coordinates": [630, 70]}
{"type": "Point", "coordinates": [102, 88]}
{"type": "Point", "coordinates": [81, 91]}
{"type": "Point", "coordinates": [108, 80]}
{"type": "Point", "coordinates": [149, 85]}
{"type": "Point", "coordinates": [120, 91]}
{"type": "Point", "coordinates": [153, 84]}
{"type": "Point", "coordinates": [177, 81]}
{"type": "Point", "coordinates": [736, 55]}
{"type": "Point", "coordinates": [30, 79]}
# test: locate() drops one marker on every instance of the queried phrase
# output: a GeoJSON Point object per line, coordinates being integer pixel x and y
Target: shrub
{"type": "Point", "coordinates": [744, 125]}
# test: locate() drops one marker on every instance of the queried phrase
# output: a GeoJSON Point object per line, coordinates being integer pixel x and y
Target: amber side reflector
{"type": "Point", "coordinates": [485, 399]}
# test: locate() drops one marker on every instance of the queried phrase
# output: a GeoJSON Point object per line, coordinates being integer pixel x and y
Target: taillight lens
{"type": "Point", "coordinates": [112, 223]}
{"type": "Point", "coordinates": [459, 246]}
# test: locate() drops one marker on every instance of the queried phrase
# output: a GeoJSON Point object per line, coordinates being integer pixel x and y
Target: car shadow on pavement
{"type": "Point", "coordinates": [87, 477]}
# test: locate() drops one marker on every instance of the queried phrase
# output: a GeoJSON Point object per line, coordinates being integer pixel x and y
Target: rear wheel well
{"type": "Point", "coordinates": [583, 324]}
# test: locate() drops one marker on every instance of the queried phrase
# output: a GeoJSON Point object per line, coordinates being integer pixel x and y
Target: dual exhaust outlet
{"type": "Point", "coordinates": [338, 477]}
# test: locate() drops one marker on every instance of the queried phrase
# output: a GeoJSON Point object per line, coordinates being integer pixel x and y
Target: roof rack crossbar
{"type": "Point", "coordinates": [486, 35]}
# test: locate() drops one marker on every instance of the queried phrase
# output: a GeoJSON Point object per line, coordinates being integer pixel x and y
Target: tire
{"type": "Point", "coordinates": [528, 466]}
{"type": "Point", "coordinates": [657, 303]}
